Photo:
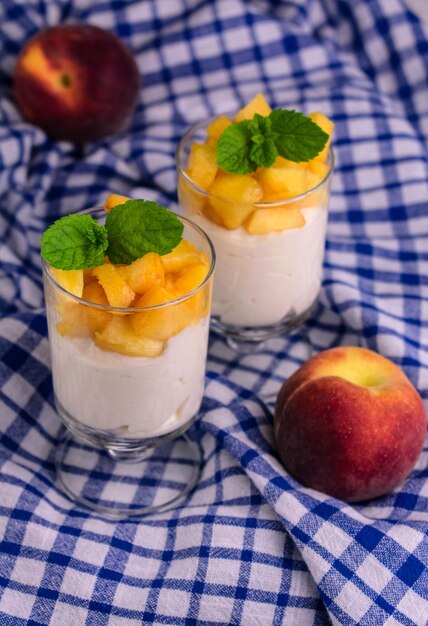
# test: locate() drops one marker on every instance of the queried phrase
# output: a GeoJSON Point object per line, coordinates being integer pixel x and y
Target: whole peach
{"type": "Point", "coordinates": [349, 423]}
{"type": "Point", "coordinates": [76, 81]}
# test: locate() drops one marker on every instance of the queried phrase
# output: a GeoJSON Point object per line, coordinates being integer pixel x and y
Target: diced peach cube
{"type": "Point", "coordinates": [312, 179]}
{"type": "Point", "coordinates": [73, 321]}
{"type": "Point", "coordinates": [257, 105]}
{"type": "Point", "coordinates": [96, 319]}
{"type": "Point", "coordinates": [70, 280]}
{"type": "Point", "coordinates": [189, 279]}
{"type": "Point", "coordinates": [318, 168]}
{"type": "Point", "coordinates": [169, 282]}
{"type": "Point", "coordinates": [88, 277]}
{"type": "Point", "coordinates": [217, 126]}
{"type": "Point", "coordinates": [313, 196]}
{"type": "Point", "coordinates": [202, 167]}
{"type": "Point", "coordinates": [327, 126]}
{"type": "Point", "coordinates": [144, 272]}
{"type": "Point", "coordinates": [279, 183]}
{"type": "Point", "coordinates": [119, 336]}
{"type": "Point", "coordinates": [191, 200]}
{"type": "Point", "coordinates": [212, 215]}
{"type": "Point", "coordinates": [204, 260]}
{"type": "Point", "coordinates": [162, 323]}
{"type": "Point", "coordinates": [114, 199]}
{"type": "Point", "coordinates": [282, 162]}
{"type": "Point", "coordinates": [93, 292]}
{"type": "Point", "coordinates": [118, 292]}
{"type": "Point", "coordinates": [183, 255]}
{"type": "Point", "coordinates": [272, 219]}
{"type": "Point", "coordinates": [239, 193]}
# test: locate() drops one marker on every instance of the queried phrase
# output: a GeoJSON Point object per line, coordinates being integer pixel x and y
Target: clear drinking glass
{"type": "Point", "coordinates": [266, 284]}
{"type": "Point", "coordinates": [127, 392]}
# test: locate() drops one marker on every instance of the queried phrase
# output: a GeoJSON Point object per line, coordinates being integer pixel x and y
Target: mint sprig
{"type": "Point", "coordinates": [233, 149]}
{"type": "Point", "coordinates": [131, 230]}
{"type": "Point", "coordinates": [297, 138]}
{"type": "Point", "coordinates": [245, 146]}
{"type": "Point", "coordinates": [74, 242]}
{"type": "Point", "coordinates": [138, 227]}
{"type": "Point", "coordinates": [262, 150]}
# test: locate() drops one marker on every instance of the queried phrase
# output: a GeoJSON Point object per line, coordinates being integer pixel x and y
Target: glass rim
{"type": "Point", "coordinates": [258, 205]}
{"type": "Point", "coordinates": [116, 309]}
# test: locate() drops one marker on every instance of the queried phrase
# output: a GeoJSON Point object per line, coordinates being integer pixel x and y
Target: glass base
{"type": "Point", "coordinates": [248, 338]}
{"type": "Point", "coordinates": [125, 484]}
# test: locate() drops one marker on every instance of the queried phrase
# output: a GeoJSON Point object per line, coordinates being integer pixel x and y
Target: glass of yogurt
{"type": "Point", "coordinates": [269, 252]}
{"type": "Point", "coordinates": [128, 380]}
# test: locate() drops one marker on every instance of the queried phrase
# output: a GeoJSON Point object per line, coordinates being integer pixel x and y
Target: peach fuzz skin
{"type": "Point", "coordinates": [77, 81]}
{"type": "Point", "coordinates": [350, 424]}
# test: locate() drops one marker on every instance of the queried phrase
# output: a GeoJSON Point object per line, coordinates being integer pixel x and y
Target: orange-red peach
{"type": "Point", "coordinates": [349, 423]}
{"type": "Point", "coordinates": [76, 81]}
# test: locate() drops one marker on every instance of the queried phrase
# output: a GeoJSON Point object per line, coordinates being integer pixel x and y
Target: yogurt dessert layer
{"type": "Point", "coordinates": [267, 223]}
{"type": "Point", "coordinates": [132, 396]}
{"type": "Point", "coordinates": [262, 279]}
{"type": "Point", "coordinates": [129, 340]}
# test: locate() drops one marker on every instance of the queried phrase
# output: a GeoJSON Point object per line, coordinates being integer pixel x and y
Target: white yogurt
{"type": "Point", "coordinates": [134, 396]}
{"type": "Point", "coordinates": [260, 279]}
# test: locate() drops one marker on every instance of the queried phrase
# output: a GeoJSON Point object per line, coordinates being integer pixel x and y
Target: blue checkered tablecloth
{"type": "Point", "coordinates": [250, 546]}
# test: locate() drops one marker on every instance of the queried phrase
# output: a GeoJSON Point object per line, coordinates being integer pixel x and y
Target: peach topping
{"type": "Point", "coordinates": [149, 281]}
{"type": "Point", "coordinates": [231, 197]}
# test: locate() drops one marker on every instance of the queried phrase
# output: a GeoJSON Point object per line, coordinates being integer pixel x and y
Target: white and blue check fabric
{"type": "Point", "coordinates": [250, 546]}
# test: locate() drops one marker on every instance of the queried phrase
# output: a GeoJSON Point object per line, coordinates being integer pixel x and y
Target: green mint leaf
{"type": "Point", "coordinates": [264, 154]}
{"type": "Point", "coordinates": [260, 127]}
{"type": "Point", "coordinates": [245, 146]}
{"type": "Point", "coordinates": [296, 137]}
{"type": "Point", "coordinates": [74, 242]}
{"type": "Point", "coordinates": [138, 227]}
{"type": "Point", "coordinates": [263, 151]}
{"type": "Point", "coordinates": [233, 152]}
